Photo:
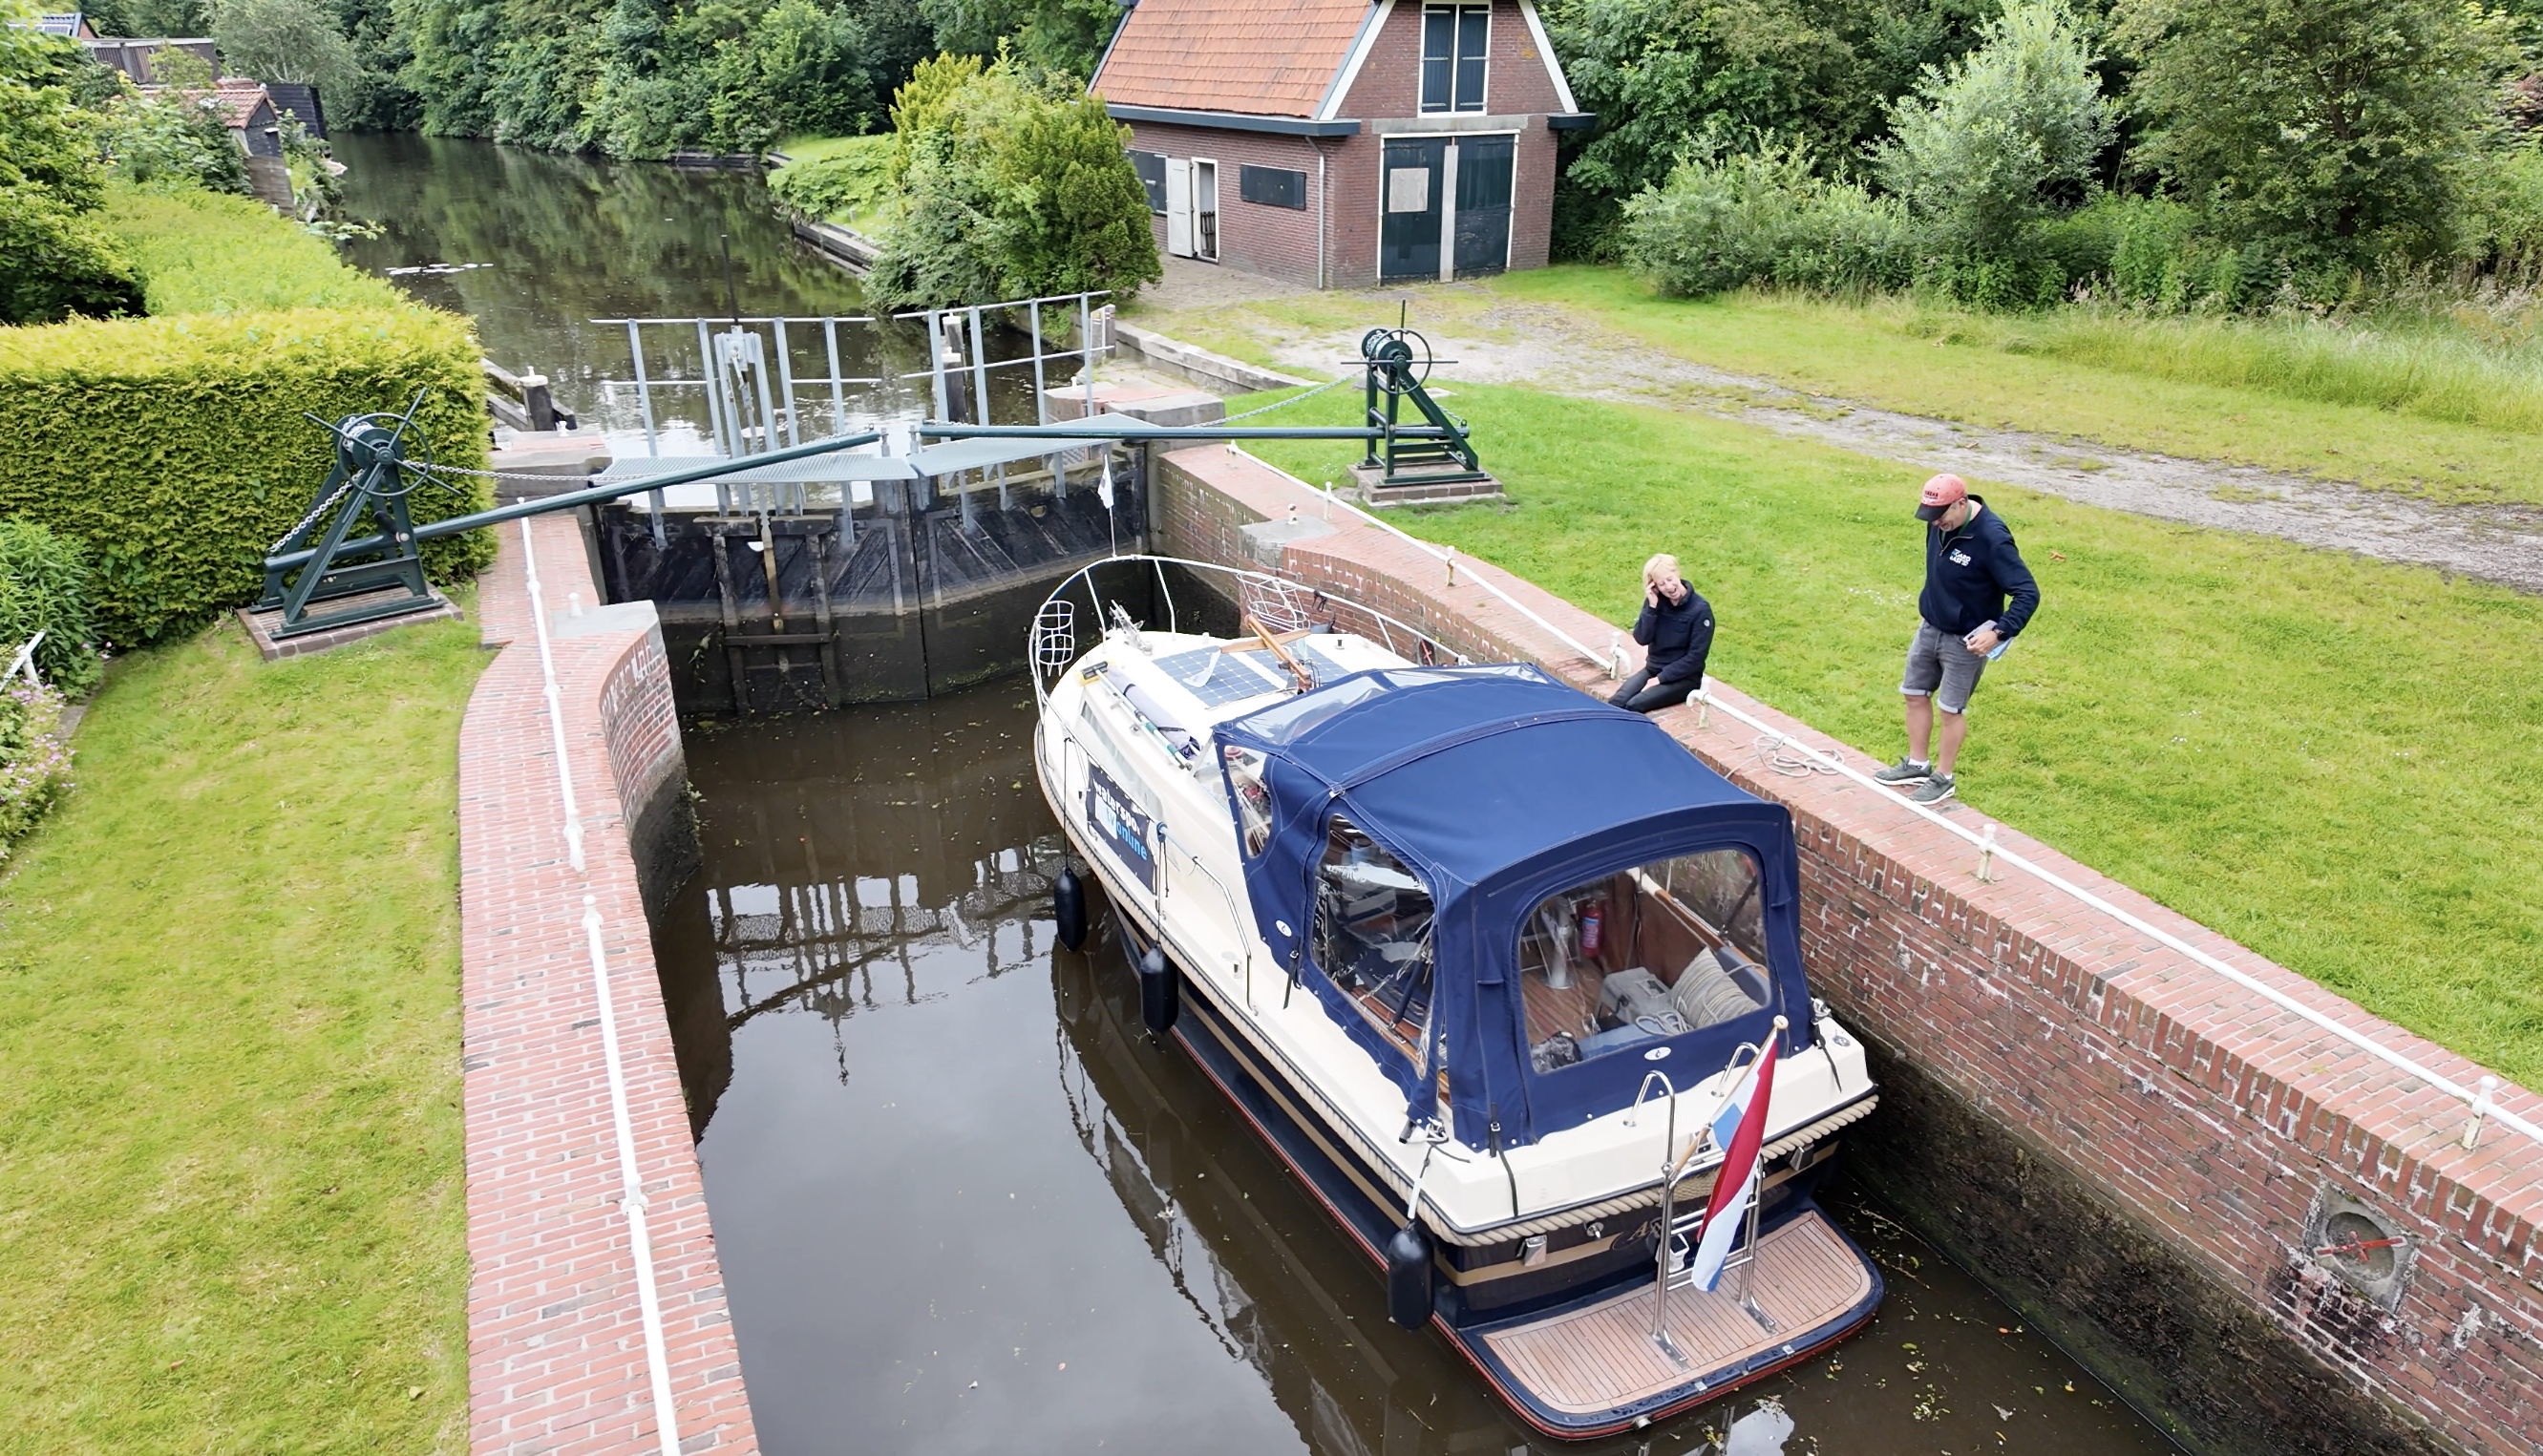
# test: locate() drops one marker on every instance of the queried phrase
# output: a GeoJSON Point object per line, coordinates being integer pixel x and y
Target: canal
{"type": "Point", "coordinates": [964, 1203]}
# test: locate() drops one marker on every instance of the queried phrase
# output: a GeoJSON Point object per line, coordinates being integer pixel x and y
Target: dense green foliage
{"type": "Point", "coordinates": [174, 445]}
{"type": "Point", "coordinates": [639, 78]}
{"type": "Point", "coordinates": [35, 756]}
{"type": "Point", "coordinates": [1016, 185]}
{"type": "Point", "coordinates": [2334, 131]}
{"type": "Point", "coordinates": [174, 139]}
{"type": "Point", "coordinates": [208, 253]}
{"type": "Point", "coordinates": [850, 176]}
{"type": "Point", "coordinates": [1767, 216]}
{"type": "Point", "coordinates": [54, 260]}
{"type": "Point", "coordinates": [44, 587]}
{"type": "Point", "coordinates": [297, 41]}
{"type": "Point", "coordinates": [229, 1007]}
{"type": "Point", "coordinates": [2249, 153]}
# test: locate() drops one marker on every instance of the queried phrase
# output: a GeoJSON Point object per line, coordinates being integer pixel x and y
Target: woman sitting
{"type": "Point", "coordinates": [1675, 630]}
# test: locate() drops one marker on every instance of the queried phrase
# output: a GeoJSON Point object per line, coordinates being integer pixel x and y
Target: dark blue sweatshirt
{"type": "Point", "coordinates": [1971, 572]}
{"type": "Point", "coordinates": [1679, 635]}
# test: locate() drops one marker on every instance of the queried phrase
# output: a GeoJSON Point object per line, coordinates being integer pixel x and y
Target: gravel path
{"type": "Point", "coordinates": [1497, 341]}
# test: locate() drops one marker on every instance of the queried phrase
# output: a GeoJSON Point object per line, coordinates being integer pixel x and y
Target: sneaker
{"type": "Point", "coordinates": [1904, 771]}
{"type": "Point", "coordinates": [1938, 786]}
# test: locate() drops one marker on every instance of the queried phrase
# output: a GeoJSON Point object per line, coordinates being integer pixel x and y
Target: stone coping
{"type": "Point", "coordinates": [556, 1352]}
{"type": "Point", "coordinates": [2189, 1101]}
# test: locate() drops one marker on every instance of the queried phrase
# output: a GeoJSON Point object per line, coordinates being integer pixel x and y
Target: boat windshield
{"type": "Point", "coordinates": [1371, 934]}
{"type": "Point", "coordinates": [1617, 962]}
{"type": "Point", "coordinates": [1286, 722]}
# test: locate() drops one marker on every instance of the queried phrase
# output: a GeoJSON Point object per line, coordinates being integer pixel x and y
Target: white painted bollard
{"type": "Point", "coordinates": [2480, 1110]}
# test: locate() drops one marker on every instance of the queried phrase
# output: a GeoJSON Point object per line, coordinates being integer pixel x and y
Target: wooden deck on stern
{"type": "Point", "coordinates": [1602, 1357]}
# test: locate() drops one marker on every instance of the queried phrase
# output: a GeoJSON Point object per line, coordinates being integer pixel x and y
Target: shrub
{"type": "Point", "coordinates": [1019, 184]}
{"type": "Point", "coordinates": [175, 137]}
{"type": "Point", "coordinates": [1765, 217]}
{"type": "Point", "coordinates": [45, 588]}
{"type": "Point", "coordinates": [2331, 130]}
{"type": "Point", "coordinates": [175, 449]}
{"type": "Point", "coordinates": [200, 253]}
{"type": "Point", "coordinates": [34, 757]}
{"type": "Point", "coordinates": [54, 260]}
{"type": "Point", "coordinates": [847, 178]}
{"type": "Point", "coordinates": [1989, 149]}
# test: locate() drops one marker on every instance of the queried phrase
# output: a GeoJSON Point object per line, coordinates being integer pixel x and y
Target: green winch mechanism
{"type": "Point", "coordinates": [380, 459]}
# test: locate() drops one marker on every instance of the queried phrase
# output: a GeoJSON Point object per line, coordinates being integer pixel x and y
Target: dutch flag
{"type": "Point", "coordinates": [1740, 1126]}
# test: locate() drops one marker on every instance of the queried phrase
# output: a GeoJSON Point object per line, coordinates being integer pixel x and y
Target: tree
{"type": "Point", "coordinates": [53, 258]}
{"type": "Point", "coordinates": [291, 40]}
{"type": "Point", "coordinates": [1990, 143]}
{"type": "Point", "coordinates": [1055, 34]}
{"type": "Point", "coordinates": [176, 136]}
{"type": "Point", "coordinates": [1718, 75]}
{"type": "Point", "coordinates": [2330, 130]}
{"type": "Point", "coordinates": [1018, 184]}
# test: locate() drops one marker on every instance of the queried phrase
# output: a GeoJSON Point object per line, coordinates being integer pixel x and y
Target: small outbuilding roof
{"type": "Point", "coordinates": [1263, 58]}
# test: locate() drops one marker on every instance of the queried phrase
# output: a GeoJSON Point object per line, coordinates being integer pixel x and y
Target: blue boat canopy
{"type": "Point", "coordinates": [1562, 895]}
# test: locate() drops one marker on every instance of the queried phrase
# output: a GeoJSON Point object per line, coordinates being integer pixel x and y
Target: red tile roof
{"type": "Point", "coordinates": [1263, 57]}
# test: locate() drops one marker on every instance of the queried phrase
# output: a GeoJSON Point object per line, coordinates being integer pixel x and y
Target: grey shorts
{"type": "Point", "coordinates": [1937, 660]}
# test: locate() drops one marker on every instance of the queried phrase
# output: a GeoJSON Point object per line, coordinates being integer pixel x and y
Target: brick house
{"type": "Point", "coordinates": [1343, 143]}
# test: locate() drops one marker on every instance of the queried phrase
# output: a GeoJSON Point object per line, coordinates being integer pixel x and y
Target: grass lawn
{"type": "Point", "coordinates": [855, 189]}
{"type": "Point", "coordinates": [230, 1177]}
{"type": "Point", "coordinates": [2335, 761]}
{"type": "Point", "coordinates": [2451, 418]}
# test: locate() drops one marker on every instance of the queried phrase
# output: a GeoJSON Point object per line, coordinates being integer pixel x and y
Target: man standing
{"type": "Point", "coordinates": [1675, 630]}
{"type": "Point", "coordinates": [1971, 567]}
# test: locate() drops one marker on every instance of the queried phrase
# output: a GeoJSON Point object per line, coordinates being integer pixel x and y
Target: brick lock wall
{"type": "Point", "coordinates": [2120, 1140]}
{"type": "Point", "coordinates": [555, 1354]}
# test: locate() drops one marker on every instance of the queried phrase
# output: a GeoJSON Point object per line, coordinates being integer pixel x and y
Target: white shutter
{"type": "Point", "coordinates": [1178, 206]}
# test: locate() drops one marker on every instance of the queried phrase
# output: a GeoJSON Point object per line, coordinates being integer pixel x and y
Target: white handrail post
{"type": "Point", "coordinates": [556, 709]}
{"type": "Point", "coordinates": [2480, 1109]}
{"type": "Point", "coordinates": [631, 1193]}
{"type": "Point", "coordinates": [1986, 856]}
{"type": "Point", "coordinates": [24, 662]}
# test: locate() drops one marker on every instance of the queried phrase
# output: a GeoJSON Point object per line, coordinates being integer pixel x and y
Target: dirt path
{"type": "Point", "coordinates": [1497, 341]}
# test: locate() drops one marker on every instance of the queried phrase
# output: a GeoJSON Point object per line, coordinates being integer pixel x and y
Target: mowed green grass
{"type": "Point", "coordinates": [2337, 762]}
{"type": "Point", "coordinates": [230, 1175]}
{"type": "Point", "coordinates": [2429, 407]}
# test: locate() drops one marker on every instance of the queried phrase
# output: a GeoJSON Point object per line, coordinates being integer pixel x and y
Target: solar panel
{"type": "Point", "coordinates": [1218, 679]}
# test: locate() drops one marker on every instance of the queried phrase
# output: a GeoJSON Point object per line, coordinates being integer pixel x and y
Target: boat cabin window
{"type": "Point", "coordinates": [1372, 933]}
{"type": "Point", "coordinates": [1615, 963]}
{"type": "Point", "coordinates": [1251, 800]}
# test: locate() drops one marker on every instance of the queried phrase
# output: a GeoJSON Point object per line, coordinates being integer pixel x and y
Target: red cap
{"type": "Point", "coordinates": [1942, 491]}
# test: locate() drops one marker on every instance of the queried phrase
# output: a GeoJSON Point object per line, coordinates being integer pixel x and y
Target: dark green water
{"type": "Point", "coordinates": [563, 240]}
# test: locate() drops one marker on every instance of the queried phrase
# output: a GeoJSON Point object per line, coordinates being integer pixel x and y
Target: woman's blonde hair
{"type": "Point", "coordinates": [1663, 562]}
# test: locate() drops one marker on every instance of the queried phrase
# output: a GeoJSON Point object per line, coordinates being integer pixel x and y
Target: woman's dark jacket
{"type": "Point", "coordinates": [1679, 635]}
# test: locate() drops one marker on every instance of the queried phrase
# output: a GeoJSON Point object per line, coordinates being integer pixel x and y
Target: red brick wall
{"type": "Point", "coordinates": [555, 1354]}
{"type": "Point", "coordinates": [1280, 242]}
{"type": "Point", "coordinates": [2201, 1121]}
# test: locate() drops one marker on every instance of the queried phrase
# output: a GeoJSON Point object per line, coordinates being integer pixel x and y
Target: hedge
{"type": "Point", "coordinates": [218, 253]}
{"type": "Point", "coordinates": [175, 446]}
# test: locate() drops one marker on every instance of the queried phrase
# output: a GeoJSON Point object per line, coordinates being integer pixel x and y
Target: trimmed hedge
{"type": "Point", "coordinates": [172, 446]}
{"type": "Point", "coordinates": [175, 447]}
{"type": "Point", "coordinates": [218, 253]}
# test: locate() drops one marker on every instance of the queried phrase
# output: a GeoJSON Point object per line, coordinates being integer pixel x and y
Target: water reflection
{"type": "Point", "coordinates": [569, 238]}
{"type": "Point", "coordinates": [964, 1202]}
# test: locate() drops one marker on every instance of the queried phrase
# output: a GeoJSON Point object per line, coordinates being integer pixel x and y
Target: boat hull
{"type": "Point", "coordinates": [1529, 1338]}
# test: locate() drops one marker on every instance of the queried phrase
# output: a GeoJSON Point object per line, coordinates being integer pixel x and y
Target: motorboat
{"type": "Point", "coordinates": [1484, 959]}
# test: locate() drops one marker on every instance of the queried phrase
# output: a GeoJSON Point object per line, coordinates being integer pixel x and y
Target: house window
{"type": "Point", "coordinates": [1454, 45]}
{"type": "Point", "coordinates": [1151, 168]}
{"type": "Point", "coordinates": [1271, 186]}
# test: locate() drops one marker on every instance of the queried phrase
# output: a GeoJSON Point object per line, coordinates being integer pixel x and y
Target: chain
{"type": "Point", "coordinates": [315, 511]}
{"type": "Point", "coordinates": [1276, 403]}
